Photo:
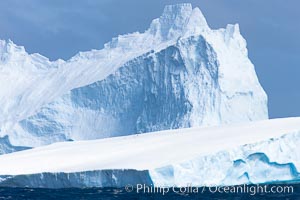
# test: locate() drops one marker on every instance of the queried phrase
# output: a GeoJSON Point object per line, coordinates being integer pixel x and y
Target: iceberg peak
{"type": "Point", "coordinates": [233, 30]}
{"type": "Point", "coordinates": [177, 9]}
{"type": "Point", "coordinates": [178, 20]}
{"type": "Point", "coordinates": [10, 46]}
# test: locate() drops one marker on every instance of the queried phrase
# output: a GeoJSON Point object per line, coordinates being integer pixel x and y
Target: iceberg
{"type": "Point", "coordinates": [253, 152]}
{"type": "Point", "coordinates": [179, 104]}
{"type": "Point", "coordinates": [179, 73]}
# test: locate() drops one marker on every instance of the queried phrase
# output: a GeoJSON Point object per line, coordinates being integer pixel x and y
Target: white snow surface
{"type": "Point", "coordinates": [202, 156]}
{"type": "Point", "coordinates": [210, 68]}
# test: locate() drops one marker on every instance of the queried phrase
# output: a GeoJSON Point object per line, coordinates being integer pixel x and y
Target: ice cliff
{"type": "Point", "coordinates": [179, 73]}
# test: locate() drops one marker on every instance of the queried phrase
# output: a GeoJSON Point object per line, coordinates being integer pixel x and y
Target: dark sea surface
{"type": "Point", "coordinates": [121, 193]}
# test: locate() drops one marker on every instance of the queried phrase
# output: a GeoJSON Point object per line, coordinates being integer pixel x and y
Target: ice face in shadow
{"type": "Point", "coordinates": [257, 168]}
{"type": "Point", "coordinates": [101, 178]}
{"type": "Point", "coordinates": [176, 87]}
{"type": "Point", "coordinates": [6, 147]}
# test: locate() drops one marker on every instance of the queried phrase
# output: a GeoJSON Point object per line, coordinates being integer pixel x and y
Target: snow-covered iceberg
{"type": "Point", "coordinates": [256, 152]}
{"type": "Point", "coordinates": [177, 74]}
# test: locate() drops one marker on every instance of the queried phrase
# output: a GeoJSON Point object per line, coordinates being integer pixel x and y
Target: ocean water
{"type": "Point", "coordinates": [121, 193]}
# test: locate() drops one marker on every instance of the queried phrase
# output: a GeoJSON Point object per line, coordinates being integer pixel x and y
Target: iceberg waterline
{"type": "Point", "coordinates": [179, 73]}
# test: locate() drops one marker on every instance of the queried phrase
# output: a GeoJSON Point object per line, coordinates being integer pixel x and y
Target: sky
{"type": "Point", "coordinates": [62, 28]}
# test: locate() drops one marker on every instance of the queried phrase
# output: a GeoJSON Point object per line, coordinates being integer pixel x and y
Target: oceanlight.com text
{"type": "Point", "coordinates": [190, 189]}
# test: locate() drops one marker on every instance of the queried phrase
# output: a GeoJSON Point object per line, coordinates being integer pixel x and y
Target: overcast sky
{"type": "Point", "coordinates": [61, 28]}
